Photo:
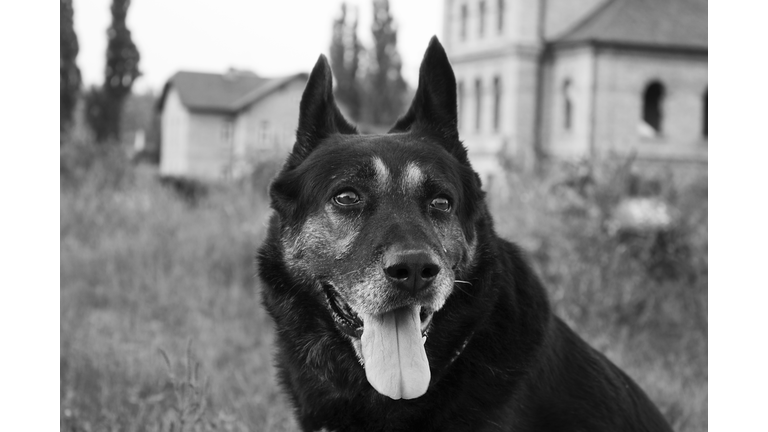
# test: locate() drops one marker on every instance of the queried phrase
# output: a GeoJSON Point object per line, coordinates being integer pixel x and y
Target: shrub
{"type": "Point", "coordinates": [640, 297]}
{"type": "Point", "coordinates": [85, 163]}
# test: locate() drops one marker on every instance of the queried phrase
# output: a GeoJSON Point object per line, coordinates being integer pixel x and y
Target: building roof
{"type": "Point", "coordinates": [265, 89]}
{"type": "Point", "coordinates": [224, 93]}
{"type": "Point", "coordinates": [653, 23]}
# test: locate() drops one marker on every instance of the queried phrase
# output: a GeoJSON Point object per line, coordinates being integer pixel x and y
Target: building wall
{"type": "Point", "coordinates": [490, 143]}
{"type": "Point", "coordinates": [622, 78]}
{"type": "Point", "coordinates": [606, 87]}
{"type": "Point", "coordinates": [507, 52]}
{"type": "Point", "coordinates": [214, 146]}
{"type": "Point", "coordinates": [491, 39]}
{"type": "Point", "coordinates": [483, 141]}
{"type": "Point", "coordinates": [210, 145]}
{"type": "Point", "coordinates": [575, 66]}
{"type": "Point", "coordinates": [267, 129]}
{"type": "Point", "coordinates": [511, 53]}
{"type": "Point", "coordinates": [521, 19]}
{"type": "Point", "coordinates": [518, 29]}
{"type": "Point", "coordinates": [175, 132]}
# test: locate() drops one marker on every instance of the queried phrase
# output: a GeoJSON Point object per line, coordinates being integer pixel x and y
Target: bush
{"type": "Point", "coordinates": [190, 190]}
{"type": "Point", "coordinates": [640, 297]}
{"type": "Point", "coordinates": [142, 270]}
{"type": "Point", "coordinates": [85, 163]}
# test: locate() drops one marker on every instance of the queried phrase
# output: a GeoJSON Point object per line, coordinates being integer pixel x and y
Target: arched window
{"type": "Point", "coordinates": [653, 113]}
{"type": "Point", "coordinates": [478, 103]}
{"type": "Point", "coordinates": [482, 18]}
{"type": "Point", "coordinates": [567, 104]}
{"type": "Point", "coordinates": [463, 28]}
{"type": "Point", "coordinates": [496, 103]}
{"type": "Point", "coordinates": [704, 113]}
{"type": "Point", "coordinates": [500, 16]}
{"type": "Point", "coordinates": [460, 91]}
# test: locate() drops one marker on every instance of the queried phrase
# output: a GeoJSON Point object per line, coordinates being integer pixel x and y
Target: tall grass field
{"type": "Point", "coordinates": [162, 327]}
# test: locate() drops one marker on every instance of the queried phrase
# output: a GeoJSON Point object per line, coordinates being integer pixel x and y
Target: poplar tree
{"type": "Point", "coordinates": [69, 77]}
{"type": "Point", "coordinates": [105, 105]}
{"type": "Point", "coordinates": [345, 62]}
{"type": "Point", "coordinates": [385, 85]}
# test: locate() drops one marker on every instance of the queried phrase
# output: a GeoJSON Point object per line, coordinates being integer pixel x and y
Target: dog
{"type": "Point", "coordinates": [397, 307]}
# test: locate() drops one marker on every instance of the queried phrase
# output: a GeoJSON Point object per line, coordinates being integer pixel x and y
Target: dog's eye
{"type": "Point", "coordinates": [346, 198]}
{"type": "Point", "coordinates": [441, 203]}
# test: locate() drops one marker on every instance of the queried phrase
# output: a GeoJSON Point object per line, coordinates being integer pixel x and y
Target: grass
{"type": "Point", "coordinates": [162, 329]}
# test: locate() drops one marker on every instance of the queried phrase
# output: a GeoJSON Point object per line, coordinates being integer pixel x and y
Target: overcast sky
{"type": "Point", "coordinates": [269, 37]}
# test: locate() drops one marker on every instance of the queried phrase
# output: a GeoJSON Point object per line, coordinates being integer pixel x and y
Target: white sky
{"type": "Point", "coordinates": [271, 38]}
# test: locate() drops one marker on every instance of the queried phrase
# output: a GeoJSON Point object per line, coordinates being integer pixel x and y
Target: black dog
{"type": "Point", "coordinates": [396, 305]}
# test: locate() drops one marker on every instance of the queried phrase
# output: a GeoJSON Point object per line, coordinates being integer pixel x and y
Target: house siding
{"type": "Point", "coordinates": [267, 129]}
{"type": "Point", "coordinates": [214, 146]}
{"type": "Point", "coordinates": [175, 132]}
{"type": "Point", "coordinates": [209, 146]}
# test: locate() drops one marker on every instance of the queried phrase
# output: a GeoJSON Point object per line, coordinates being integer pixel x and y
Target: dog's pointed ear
{"type": "Point", "coordinates": [319, 116]}
{"type": "Point", "coordinates": [434, 106]}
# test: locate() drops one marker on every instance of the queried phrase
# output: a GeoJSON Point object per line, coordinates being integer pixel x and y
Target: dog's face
{"type": "Point", "coordinates": [381, 225]}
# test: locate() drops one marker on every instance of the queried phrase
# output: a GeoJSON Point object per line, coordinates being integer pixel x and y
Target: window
{"type": "Point", "coordinates": [478, 103]}
{"type": "Point", "coordinates": [496, 103]}
{"type": "Point", "coordinates": [482, 18]}
{"type": "Point", "coordinates": [500, 16]}
{"type": "Point", "coordinates": [704, 114]}
{"type": "Point", "coordinates": [653, 114]}
{"type": "Point", "coordinates": [264, 133]}
{"type": "Point", "coordinates": [464, 22]}
{"type": "Point", "coordinates": [460, 91]}
{"type": "Point", "coordinates": [226, 131]}
{"type": "Point", "coordinates": [567, 104]}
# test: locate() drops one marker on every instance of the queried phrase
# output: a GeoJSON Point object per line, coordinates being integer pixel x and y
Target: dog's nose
{"type": "Point", "coordinates": [411, 271]}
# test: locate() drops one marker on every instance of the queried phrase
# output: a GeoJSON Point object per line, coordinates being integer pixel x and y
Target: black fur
{"type": "Point", "coordinates": [500, 360]}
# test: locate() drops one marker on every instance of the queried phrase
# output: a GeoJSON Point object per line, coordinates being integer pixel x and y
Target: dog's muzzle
{"type": "Point", "coordinates": [412, 271]}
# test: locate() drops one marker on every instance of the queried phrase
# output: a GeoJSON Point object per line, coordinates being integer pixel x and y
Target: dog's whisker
{"type": "Point", "coordinates": [350, 272]}
{"type": "Point", "coordinates": [463, 290]}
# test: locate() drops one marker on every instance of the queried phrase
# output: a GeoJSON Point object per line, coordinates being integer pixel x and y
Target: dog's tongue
{"type": "Point", "coordinates": [395, 361]}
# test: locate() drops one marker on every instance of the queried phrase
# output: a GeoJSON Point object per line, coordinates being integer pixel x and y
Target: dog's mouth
{"type": "Point", "coordinates": [350, 323]}
{"type": "Point", "coordinates": [389, 344]}
{"type": "Point", "coordinates": [346, 319]}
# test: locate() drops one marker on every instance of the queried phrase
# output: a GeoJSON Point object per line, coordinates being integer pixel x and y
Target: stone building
{"type": "Point", "coordinates": [579, 79]}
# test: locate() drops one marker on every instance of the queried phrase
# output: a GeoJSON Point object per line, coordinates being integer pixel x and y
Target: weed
{"type": "Point", "coordinates": [189, 393]}
{"type": "Point", "coordinates": [141, 270]}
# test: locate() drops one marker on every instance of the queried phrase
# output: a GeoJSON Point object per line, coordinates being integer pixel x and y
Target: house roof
{"type": "Point", "coordinates": [265, 89]}
{"type": "Point", "coordinates": [655, 23]}
{"type": "Point", "coordinates": [225, 93]}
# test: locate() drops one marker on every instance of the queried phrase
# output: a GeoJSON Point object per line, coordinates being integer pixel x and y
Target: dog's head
{"type": "Point", "coordinates": [381, 225]}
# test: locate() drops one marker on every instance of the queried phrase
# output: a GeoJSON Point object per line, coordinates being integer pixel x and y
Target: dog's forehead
{"type": "Point", "coordinates": [408, 175]}
{"type": "Point", "coordinates": [395, 162]}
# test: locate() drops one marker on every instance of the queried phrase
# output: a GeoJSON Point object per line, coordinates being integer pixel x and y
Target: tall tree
{"type": "Point", "coordinates": [345, 62]}
{"type": "Point", "coordinates": [95, 104]}
{"type": "Point", "coordinates": [69, 83]}
{"type": "Point", "coordinates": [121, 71]}
{"type": "Point", "coordinates": [386, 87]}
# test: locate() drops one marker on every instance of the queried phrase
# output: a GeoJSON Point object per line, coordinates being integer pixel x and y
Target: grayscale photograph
{"type": "Point", "coordinates": [384, 215]}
